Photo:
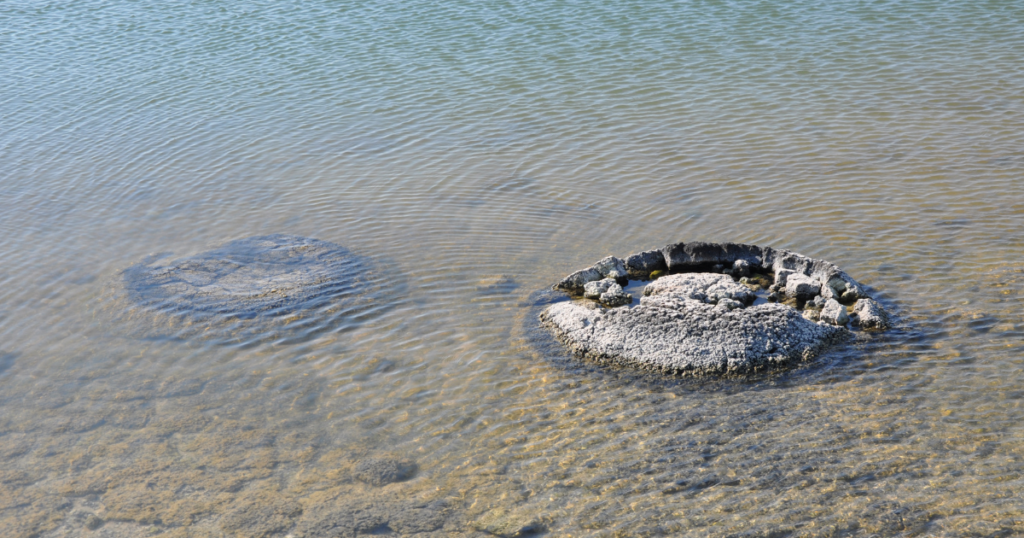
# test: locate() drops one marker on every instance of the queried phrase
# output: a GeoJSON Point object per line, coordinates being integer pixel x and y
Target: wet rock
{"type": "Point", "coordinates": [741, 268]}
{"type": "Point", "coordinates": [640, 266]}
{"type": "Point", "coordinates": [675, 333]}
{"type": "Point", "coordinates": [261, 519]}
{"type": "Point", "coordinates": [851, 294]}
{"type": "Point", "coordinates": [868, 314]}
{"type": "Point", "coordinates": [374, 516]}
{"type": "Point", "coordinates": [611, 267]}
{"type": "Point", "coordinates": [801, 286]}
{"type": "Point", "coordinates": [508, 524]}
{"type": "Point", "coordinates": [251, 287]}
{"type": "Point", "coordinates": [608, 292]}
{"type": "Point", "coordinates": [704, 287]}
{"type": "Point", "coordinates": [384, 470]}
{"type": "Point", "coordinates": [699, 255]}
{"type": "Point", "coordinates": [728, 304]}
{"type": "Point", "coordinates": [696, 319]}
{"type": "Point", "coordinates": [616, 297]}
{"type": "Point", "coordinates": [834, 313]}
{"type": "Point", "coordinates": [93, 522]}
{"type": "Point", "coordinates": [575, 282]}
{"type": "Point", "coordinates": [781, 276]}
{"type": "Point", "coordinates": [594, 289]}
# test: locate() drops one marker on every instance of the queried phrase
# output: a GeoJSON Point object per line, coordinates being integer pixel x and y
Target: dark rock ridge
{"type": "Point", "coordinates": [252, 287]}
{"type": "Point", "coordinates": [703, 317]}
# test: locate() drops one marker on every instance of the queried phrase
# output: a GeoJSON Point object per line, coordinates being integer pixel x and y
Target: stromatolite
{"type": "Point", "coordinates": [712, 314]}
{"type": "Point", "coordinates": [265, 287]}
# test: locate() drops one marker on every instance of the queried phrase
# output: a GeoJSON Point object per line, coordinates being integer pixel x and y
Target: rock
{"type": "Point", "coordinates": [249, 277]}
{"type": "Point", "coordinates": [834, 313]}
{"type": "Point", "coordinates": [516, 524]}
{"type": "Point", "coordinates": [802, 286]}
{"type": "Point", "coordinates": [641, 266]}
{"type": "Point", "coordinates": [781, 276]}
{"type": "Point", "coordinates": [868, 314]}
{"type": "Point", "coordinates": [384, 470]}
{"type": "Point", "coordinates": [373, 516]}
{"type": "Point", "coordinates": [728, 304]}
{"type": "Point", "coordinates": [675, 334]}
{"type": "Point", "coordinates": [251, 517]}
{"type": "Point", "coordinates": [835, 286]}
{"type": "Point", "coordinates": [700, 255]}
{"type": "Point", "coordinates": [741, 268]}
{"type": "Point", "coordinates": [694, 318]}
{"type": "Point", "coordinates": [594, 289]}
{"type": "Point", "coordinates": [705, 287]}
{"type": "Point", "coordinates": [611, 267]}
{"type": "Point", "coordinates": [608, 292]}
{"type": "Point", "coordinates": [574, 283]}
{"type": "Point", "coordinates": [93, 522]}
{"type": "Point", "coordinates": [250, 288]}
{"type": "Point", "coordinates": [616, 297]}
{"type": "Point", "coordinates": [852, 293]}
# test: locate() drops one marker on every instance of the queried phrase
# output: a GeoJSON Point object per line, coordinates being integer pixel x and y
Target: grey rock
{"type": "Point", "coordinates": [355, 517]}
{"type": "Point", "coordinates": [676, 334]}
{"type": "Point", "coordinates": [611, 267]}
{"type": "Point", "coordinates": [781, 276]}
{"type": "Point", "coordinates": [608, 292]}
{"type": "Point", "coordinates": [728, 304]}
{"type": "Point", "coordinates": [258, 280]}
{"type": "Point", "coordinates": [574, 283]}
{"type": "Point", "coordinates": [802, 286]}
{"type": "Point", "coordinates": [818, 301]}
{"type": "Point", "coordinates": [594, 289]}
{"type": "Point", "coordinates": [690, 256]}
{"type": "Point", "coordinates": [868, 314]}
{"type": "Point", "coordinates": [741, 268]}
{"type": "Point", "coordinates": [509, 524]}
{"type": "Point", "coordinates": [261, 519]}
{"type": "Point", "coordinates": [640, 266]}
{"type": "Point", "coordinates": [384, 470]}
{"type": "Point", "coordinates": [615, 297]}
{"type": "Point", "coordinates": [834, 313]}
{"type": "Point", "coordinates": [705, 287]}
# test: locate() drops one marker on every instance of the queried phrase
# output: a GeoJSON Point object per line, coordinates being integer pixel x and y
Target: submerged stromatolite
{"type": "Point", "coordinates": [725, 308]}
{"type": "Point", "coordinates": [258, 288]}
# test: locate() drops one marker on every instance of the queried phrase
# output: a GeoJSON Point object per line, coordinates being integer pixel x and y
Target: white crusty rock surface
{"type": "Point", "coordinates": [705, 287]}
{"type": "Point", "coordinates": [674, 330]}
{"type": "Point", "coordinates": [868, 314]}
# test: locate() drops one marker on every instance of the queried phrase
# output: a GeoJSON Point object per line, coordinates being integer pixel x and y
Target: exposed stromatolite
{"type": "Point", "coordinates": [699, 319]}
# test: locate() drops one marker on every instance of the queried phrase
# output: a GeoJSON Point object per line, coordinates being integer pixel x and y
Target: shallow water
{"type": "Point", "coordinates": [482, 151]}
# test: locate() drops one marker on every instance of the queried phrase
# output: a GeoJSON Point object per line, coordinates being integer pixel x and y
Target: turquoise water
{"type": "Point", "coordinates": [481, 151]}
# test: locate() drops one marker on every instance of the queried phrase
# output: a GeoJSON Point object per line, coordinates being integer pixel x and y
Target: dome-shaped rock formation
{"type": "Point", "coordinates": [721, 308]}
{"type": "Point", "coordinates": [264, 287]}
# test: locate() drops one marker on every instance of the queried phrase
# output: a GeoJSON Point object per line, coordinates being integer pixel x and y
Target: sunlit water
{"type": "Point", "coordinates": [481, 150]}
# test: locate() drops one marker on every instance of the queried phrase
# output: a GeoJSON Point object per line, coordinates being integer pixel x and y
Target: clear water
{"type": "Point", "coordinates": [483, 150]}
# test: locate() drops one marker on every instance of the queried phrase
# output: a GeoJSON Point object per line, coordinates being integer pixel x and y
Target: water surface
{"type": "Point", "coordinates": [482, 150]}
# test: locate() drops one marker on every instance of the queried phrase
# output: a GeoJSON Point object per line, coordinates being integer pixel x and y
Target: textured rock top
{"type": "Point", "coordinates": [720, 308]}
